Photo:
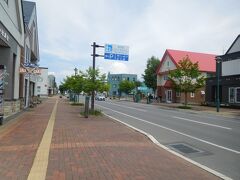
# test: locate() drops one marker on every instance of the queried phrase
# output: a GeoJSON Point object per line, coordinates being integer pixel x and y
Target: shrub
{"type": "Point", "coordinates": [93, 113]}
{"type": "Point", "coordinates": [185, 107]}
{"type": "Point", "coordinates": [77, 104]}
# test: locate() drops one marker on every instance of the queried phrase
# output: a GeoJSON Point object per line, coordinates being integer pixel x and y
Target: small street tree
{"type": "Point", "coordinates": [73, 84]}
{"type": "Point", "coordinates": [126, 86]}
{"type": "Point", "coordinates": [95, 82]}
{"type": "Point", "coordinates": [98, 85]}
{"type": "Point", "coordinates": [187, 77]}
{"type": "Point", "coordinates": [137, 84]}
{"type": "Point", "coordinates": [150, 76]}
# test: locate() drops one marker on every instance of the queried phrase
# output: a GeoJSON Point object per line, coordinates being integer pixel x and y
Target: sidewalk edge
{"type": "Point", "coordinates": [222, 176]}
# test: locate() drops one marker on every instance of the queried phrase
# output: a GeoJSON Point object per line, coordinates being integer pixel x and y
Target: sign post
{"type": "Point", "coordinates": [94, 55]}
{"type": "Point", "coordinates": [112, 52]}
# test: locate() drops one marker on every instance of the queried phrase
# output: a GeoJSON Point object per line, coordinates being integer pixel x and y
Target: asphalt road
{"type": "Point", "coordinates": [210, 140]}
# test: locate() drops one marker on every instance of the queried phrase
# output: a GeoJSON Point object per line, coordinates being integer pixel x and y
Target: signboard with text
{"type": "Point", "coordinates": [116, 52]}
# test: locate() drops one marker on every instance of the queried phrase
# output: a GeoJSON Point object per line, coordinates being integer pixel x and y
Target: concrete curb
{"type": "Point", "coordinates": [222, 176]}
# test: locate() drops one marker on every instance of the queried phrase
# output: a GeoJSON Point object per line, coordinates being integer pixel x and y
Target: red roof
{"type": "Point", "coordinates": [206, 62]}
{"type": "Point", "coordinates": [168, 84]}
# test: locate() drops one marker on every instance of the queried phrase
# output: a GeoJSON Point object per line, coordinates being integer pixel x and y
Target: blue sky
{"type": "Point", "coordinates": [149, 27]}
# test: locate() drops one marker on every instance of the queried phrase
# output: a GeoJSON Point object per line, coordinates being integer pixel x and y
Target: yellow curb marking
{"type": "Point", "coordinates": [40, 163]}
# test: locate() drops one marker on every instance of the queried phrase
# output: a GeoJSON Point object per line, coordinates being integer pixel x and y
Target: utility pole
{"type": "Point", "coordinates": [218, 62]}
{"type": "Point", "coordinates": [94, 55]}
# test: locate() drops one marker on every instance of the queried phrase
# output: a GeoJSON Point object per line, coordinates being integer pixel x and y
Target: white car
{"type": "Point", "coordinates": [100, 98]}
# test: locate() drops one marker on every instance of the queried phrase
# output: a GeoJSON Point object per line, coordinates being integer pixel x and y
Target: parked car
{"type": "Point", "coordinates": [100, 98]}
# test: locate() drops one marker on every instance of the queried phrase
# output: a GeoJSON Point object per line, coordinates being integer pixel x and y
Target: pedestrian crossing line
{"type": "Point", "coordinates": [40, 163]}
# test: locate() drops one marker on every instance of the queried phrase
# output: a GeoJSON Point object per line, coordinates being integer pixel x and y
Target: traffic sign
{"type": "Point", "coordinates": [116, 52]}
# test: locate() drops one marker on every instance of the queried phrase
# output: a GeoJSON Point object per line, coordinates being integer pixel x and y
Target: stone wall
{"type": "Point", "coordinates": [11, 107]}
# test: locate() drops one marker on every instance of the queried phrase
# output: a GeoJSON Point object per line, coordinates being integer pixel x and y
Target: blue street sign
{"type": "Point", "coordinates": [116, 52]}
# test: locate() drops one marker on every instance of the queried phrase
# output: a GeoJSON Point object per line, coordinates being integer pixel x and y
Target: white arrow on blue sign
{"type": "Point", "coordinates": [116, 52]}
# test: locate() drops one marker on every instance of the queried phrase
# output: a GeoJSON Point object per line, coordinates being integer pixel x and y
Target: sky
{"type": "Point", "coordinates": [66, 30]}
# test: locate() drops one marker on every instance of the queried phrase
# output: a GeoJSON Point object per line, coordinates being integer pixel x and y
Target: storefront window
{"type": "Point", "coordinates": [238, 94]}
{"type": "Point", "coordinates": [231, 95]}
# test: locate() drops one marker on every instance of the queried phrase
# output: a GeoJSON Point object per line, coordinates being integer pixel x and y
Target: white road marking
{"type": "Point", "coordinates": [207, 142]}
{"type": "Point", "coordinates": [171, 151]}
{"type": "Point", "coordinates": [142, 110]}
{"type": "Point", "coordinates": [214, 125]}
{"type": "Point", "coordinates": [209, 114]}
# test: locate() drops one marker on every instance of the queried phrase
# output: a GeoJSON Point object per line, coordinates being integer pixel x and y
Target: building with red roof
{"type": "Point", "coordinates": [169, 62]}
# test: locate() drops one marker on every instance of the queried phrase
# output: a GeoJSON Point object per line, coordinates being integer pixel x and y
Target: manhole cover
{"type": "Point", "coordinates": [184, 148]}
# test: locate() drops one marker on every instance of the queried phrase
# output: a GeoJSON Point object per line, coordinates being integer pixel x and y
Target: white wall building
{"type": "Point", "coordinates": [42, 83]}
{"type": "Point", "coordinates": [11, 51]}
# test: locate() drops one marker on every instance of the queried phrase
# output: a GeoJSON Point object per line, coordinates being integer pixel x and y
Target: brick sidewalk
{"type": "Point", "coordinates": [93, 148]}
{"type": "Point", "coordinates": [100, 148]}
{"type": "Point", "coordinates": [19, 141]}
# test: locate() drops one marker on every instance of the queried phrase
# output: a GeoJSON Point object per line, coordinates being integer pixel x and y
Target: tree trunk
{"type": "Point", "coordinates": [185, 102]}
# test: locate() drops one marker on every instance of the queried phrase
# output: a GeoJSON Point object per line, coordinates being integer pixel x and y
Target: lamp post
{"type": "Point", "coordinates": [218, 61]}
{"type": "Point", "coordinates": [75, 70]}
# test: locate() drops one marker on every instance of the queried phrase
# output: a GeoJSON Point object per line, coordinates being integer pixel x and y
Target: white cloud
{"type": "Point", "coordinates": [68, 28]}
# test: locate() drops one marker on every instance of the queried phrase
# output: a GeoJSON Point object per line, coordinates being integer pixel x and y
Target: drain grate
{"type": "Point", "coordinates": [184, 148]}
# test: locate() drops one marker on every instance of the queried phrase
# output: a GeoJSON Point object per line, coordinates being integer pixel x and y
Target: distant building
{"type": "Point", "coordinates": [29, 63]}
{"type": "Point", "coordinates": [229, 81]}
{"type": "Point", "coordinates": [169, 62]}
{"type": "Point", "coordinates": [52, 86]}
{"type": "Point", "coordinates": [115, 79]}
{"type": "Point", "coordinates": [42, 83]}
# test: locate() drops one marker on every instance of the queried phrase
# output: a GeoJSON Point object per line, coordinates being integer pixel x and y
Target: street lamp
{"type": "Point", "coordinates": [75, 69]}
{"type": "Point", "coordinates": [218, 61]}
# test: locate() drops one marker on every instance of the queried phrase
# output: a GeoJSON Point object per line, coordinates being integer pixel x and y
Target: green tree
{"type": "Point", "coordinates": [150, 75]}
{"type": "Point", "coordinates": [62, 88]}
{"type": "Point", "coordinates": [73, 84]}
{"type": "Point", "coordinates": [99, 84]}
{"type": "Point", "coordinates": [187, 77]}
{"type": "Point", "coordinates": [137, 84]}
{"type": "Point", "coordinates": [95, 82]}
{"type": "Point", "coordinates": [126, 86]}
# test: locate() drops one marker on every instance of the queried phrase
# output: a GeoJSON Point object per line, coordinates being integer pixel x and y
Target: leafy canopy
{"type": "Point", "coordinates": [73, 83]}
{"type": "Point", "coordinates": [187, 77]}
{"type": "Point", "coordinates": [150, 76]}
{"type": "Point", "coordinates": [126, 86]}
{"type": "Point", "coordinates": [98, 83]}
{"type": "Point", "coordinates": [83, 82]}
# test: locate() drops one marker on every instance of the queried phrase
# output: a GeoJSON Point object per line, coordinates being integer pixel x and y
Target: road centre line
{"type": "Point", "coordinates": [185, 119]}
{"type": "Point", "coordinates": [207, 142]}
{"type": "Point", "coordinates": [127, 107]}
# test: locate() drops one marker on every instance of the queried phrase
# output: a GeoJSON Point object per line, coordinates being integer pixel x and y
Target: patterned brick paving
{"type": "Point", "coordinates": [93, 148]}
{"type": "Point", "coordinates": [19, 141]}
{"type": "Point", "coordinates": [99, 148]}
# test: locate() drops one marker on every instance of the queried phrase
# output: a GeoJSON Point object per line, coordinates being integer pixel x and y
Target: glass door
{"type": "Point", "coordinates": [169, 96]}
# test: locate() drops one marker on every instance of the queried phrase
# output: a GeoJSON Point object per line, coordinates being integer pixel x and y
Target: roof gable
{"type": "Point", "coordinates": [206, 62]}
{"type": "Point", "coordinates": [28, 8]}
{"type": "Point", "coordinates": [235, 47]}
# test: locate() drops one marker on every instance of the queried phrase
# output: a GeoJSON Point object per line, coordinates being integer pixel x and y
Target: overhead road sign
{"type": "Point", "coordinates": [116, 52]}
